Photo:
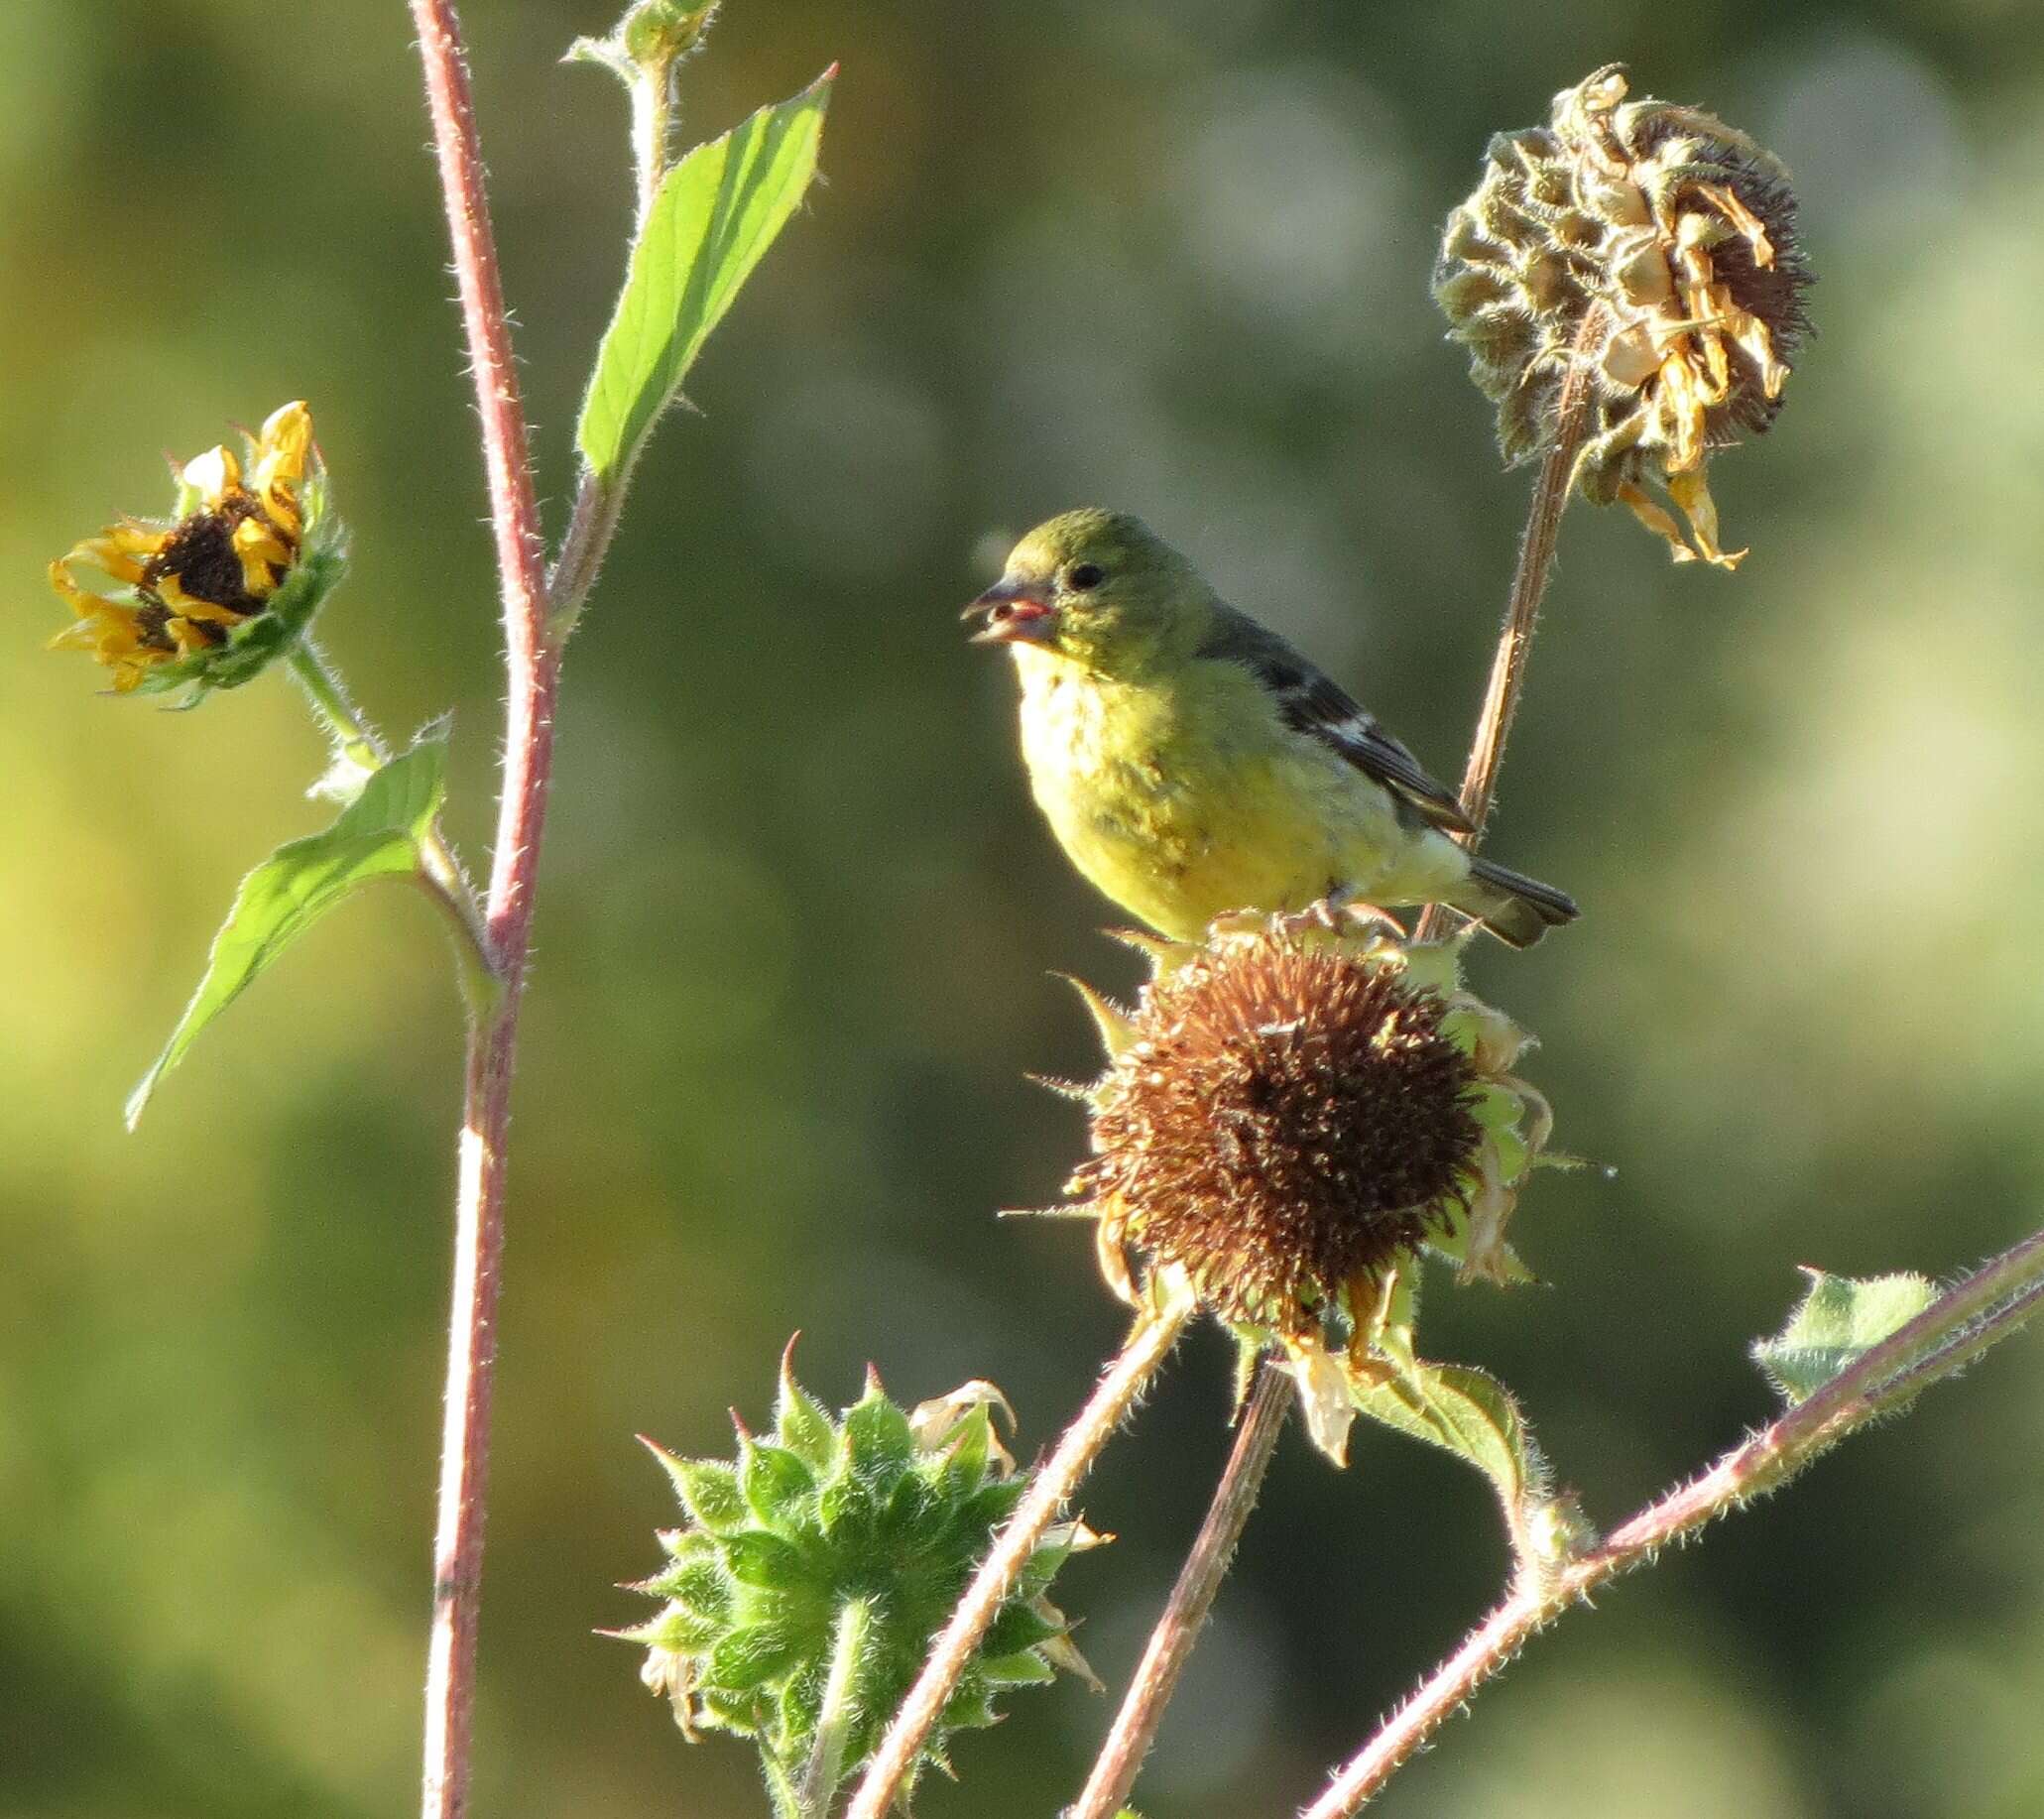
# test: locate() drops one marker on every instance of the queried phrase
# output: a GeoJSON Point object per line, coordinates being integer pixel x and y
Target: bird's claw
{"type": "Point", "coordinates": [1331, 915]}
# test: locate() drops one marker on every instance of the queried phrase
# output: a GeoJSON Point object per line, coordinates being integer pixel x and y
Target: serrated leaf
{"type": "Point", "coordinates": [717, 211]}
{"type": "Point", "coordinates": [1464, 1411]}
{"type": "Point", "coordinates": [377, 835]}
{"type": "Point", "coordinates": [1018, 1669]}
{"type": "Point", "coordinates": [1838, 1321]}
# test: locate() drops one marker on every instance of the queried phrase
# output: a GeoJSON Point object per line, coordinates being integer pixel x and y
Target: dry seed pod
{"type": "Point", "coordinates": [1680, 231]}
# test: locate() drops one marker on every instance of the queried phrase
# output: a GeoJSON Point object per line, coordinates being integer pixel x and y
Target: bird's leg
{"type": "Point", "coordinates": [1335, 914]}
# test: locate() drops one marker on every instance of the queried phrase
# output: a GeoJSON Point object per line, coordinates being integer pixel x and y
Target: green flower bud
{"type": "Point", "coordinates": [812, 1570]}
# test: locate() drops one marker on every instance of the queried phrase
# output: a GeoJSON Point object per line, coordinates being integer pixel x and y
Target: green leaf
{"type": "Point", "coordinates": [716, 213]}
{"type": "Point", "coordinates": [377, 835]}
{"type": "Point", "coordinates": [1465, 1412]}
{"type": "Point", "coordinates": [1839, 1320]}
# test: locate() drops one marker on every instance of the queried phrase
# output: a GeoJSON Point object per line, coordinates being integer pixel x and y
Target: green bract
{"type": "Point", "coordinates": [801, 1594]}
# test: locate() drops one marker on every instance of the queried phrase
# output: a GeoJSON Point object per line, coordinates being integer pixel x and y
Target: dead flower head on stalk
{"type": "Point", "coordinates": [1289, 1119]}
{"type": "Point", "coordinates": [1681, 229]}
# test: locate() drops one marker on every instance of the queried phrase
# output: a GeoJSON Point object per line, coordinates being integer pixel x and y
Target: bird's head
{"type": "Point", "coordinates": [1098, 588]}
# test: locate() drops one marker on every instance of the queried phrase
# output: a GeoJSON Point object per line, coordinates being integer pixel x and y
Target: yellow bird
{"type": "Point", "coordinates": [1192, 763]}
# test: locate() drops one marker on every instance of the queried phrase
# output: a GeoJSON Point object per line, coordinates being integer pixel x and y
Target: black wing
{"type": "Point", "coordinates": [1314, 704]}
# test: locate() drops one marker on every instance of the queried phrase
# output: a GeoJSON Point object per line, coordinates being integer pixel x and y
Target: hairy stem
{"type": "Point", "coordinates": [835, 1717]}
{"type": "Point", "coordinates": [1185, 1613]}
{"type": "Point", "coordinates": [533, 665]}
{"type": "Point", "coordinates": [1953, 1330]}
{"type": "Point", "coordinates": [358, 741]}
{"type": "Point", "coordinates": [1054, 1482]}
{"type": "Point", "coordinates": [1528, 585]}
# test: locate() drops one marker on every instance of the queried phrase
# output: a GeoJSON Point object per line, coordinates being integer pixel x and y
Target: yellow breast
{"type": "Point", "coordinates": [1187, 800]}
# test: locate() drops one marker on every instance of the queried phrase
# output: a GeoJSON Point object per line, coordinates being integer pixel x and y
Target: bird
{"type": "Point", "coordinates": [1192, 764]}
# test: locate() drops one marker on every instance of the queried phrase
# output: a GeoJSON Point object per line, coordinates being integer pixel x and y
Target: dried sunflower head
{"type": "Point", "coordinates": [1673, 235]}
{"type": "Point", "coordinates": [1290, 1115]}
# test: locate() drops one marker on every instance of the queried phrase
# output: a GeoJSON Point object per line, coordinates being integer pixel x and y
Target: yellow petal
{"type": "Point", "coordinates": [281, 452]}
{"type": "Point", "coordinates": [213, 474]}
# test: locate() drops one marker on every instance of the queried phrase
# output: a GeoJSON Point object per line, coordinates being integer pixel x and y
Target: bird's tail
{"type": "Point", "coordinates": [1515, 908]}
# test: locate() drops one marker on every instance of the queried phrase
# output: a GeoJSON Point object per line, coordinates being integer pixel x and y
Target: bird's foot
{"type": "Point", "coordinates": [1332, 914]}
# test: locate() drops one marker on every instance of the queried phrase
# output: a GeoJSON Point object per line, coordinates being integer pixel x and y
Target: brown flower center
{"type": "Point", "coordinates": [201, 555]}
{"type": "Point", "coordinates": [1288, 1120]}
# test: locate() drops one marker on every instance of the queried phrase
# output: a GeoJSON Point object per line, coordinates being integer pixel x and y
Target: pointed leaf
{"type": "Point", "coordinates": [717, 212]}
{"type": "Point", "coordinates": [1839, 1320]}
{"type": "Point", "coordinates": [803, 1425]}
{"type": "Point", "coordinates": [1464, 1411]}
{"type": "Point", "coordinates": [376, 836]}
{"type": "Point", "coordinates": [774, 1482]}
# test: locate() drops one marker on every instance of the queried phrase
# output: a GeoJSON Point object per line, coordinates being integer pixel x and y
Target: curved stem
{"type": "Point", "coordinates": [1947, 1336]}
{"type": "Point", "coordinates": [533, 663]}
{"type": "Point", "coordinates": [1185, 1613]}
{"type": "Point", "coordinates": [1522, 607]}
{"type": "Point", "coordinates": [440, 870]}
{"type": "Point", "coordinates": [1054, 1482]}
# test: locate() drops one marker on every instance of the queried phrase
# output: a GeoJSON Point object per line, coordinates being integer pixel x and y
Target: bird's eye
{"type": "Point", "coordinates": [1083, 577]}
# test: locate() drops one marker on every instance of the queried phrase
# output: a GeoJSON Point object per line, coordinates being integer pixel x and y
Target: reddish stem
{"type": "Point", "coordinates": [533, 663]}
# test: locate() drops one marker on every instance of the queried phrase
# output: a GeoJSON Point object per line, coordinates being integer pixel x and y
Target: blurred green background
{"type": "Point", "coordinates": [799, 920]}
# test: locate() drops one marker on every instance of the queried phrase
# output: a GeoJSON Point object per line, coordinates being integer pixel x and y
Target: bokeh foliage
{"type": "Point", "coordinates": [798, 915]}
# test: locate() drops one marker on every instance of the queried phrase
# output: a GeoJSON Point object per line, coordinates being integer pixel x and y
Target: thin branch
{"type": "Point", "coordinates": [1053, 1483]}
{"type": "Point", "coordinates": [534, 669]}
{"type": "Point", "coordinates": [1528, 585]}
{"type": "Point", "coordinates": [1192, 1597]}
{"type": "Point", "coordinates": [1941, 1340]}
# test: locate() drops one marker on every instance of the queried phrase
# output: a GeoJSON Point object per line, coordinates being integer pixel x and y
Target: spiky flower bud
{"type": "Point", "coordinates": [1681, 231]}
{"type": "Point", "coordinates": [1289, 1115]}
{"type": "Point", "coordinates": [802, 1591]}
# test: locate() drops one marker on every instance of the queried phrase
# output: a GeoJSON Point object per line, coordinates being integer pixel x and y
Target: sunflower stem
{"type": "Point", "coordinates": [533, 663]}
{"type": "Point", "coordinates": [1940, 1342]}
{"type": "Point", "coordinates": [1528, 585]}
{"type": "Point", "coordinates": [1192, 1597]}
{"type": "Point", "coordinates": [836, 1716]}
{"type": "Point", "coordinates": [1155, 1333]}
{"type": "Point", "coordinates": [358, 743]}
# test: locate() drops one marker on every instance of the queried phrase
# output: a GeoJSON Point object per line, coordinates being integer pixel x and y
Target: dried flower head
{"type": "Point", "coordinates": [212, 595]}
{"type": "Point", "coordinates": [1679, 231]}
{"type": "Point", "coordinates": [1287, 1120]}
{"type": "Point", "coordinates": [800, 1597]}
{"type": "Point", "coordinates": [1291, 1112]}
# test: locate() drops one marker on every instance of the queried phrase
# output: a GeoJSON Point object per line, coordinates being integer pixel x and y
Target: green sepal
{"type": "Point", "coordinates": [1022, 1669]}
{"type": "Point", "coordinates": [749, 1658]}
{"type": "Point", "coordinates": [379, 834]}
{"type": "Point", "coordinates": [1018, 1628]}
{"type": "Point", "coordinates": [716, 215]}
{"type": "Point", "coordinates": [756, 1558]}
{"type": "Point", "coordinates": [1837, 1322]}
{"type": "Point", "coordinates": [711, 1493]}
{"type": "Point", "coordinates": [776, 1482]}
{"type": "Point", "coordinates": [878, 1438]}
{"type": "Point", "coordinates": [260, 639]}
{"type": "Point", "coordinates": [802, 1427]}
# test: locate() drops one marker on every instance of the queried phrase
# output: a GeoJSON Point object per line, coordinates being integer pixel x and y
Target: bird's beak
{"type": "Point", "coordinates": [1014, 616]}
